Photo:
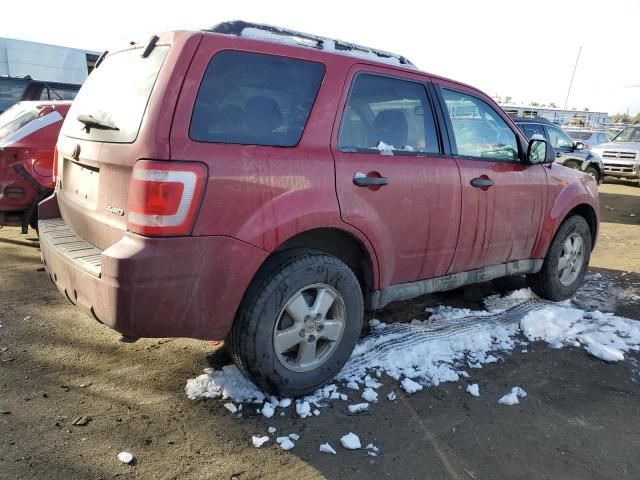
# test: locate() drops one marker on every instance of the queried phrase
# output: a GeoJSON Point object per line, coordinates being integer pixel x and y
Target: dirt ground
{"type": "Point", "coordinates": [581, 419]}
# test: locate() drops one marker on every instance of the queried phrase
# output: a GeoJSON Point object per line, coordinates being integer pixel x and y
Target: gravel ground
{"type": "Point", "coordinates": [580, 420]}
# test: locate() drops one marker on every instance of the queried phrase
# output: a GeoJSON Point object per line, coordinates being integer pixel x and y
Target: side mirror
{"type": "Point", "coordinates": [578, 146]}
{"type": "Point", "coordinates": [540, 151]}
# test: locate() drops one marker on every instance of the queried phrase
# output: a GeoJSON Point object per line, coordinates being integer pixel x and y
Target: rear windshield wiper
{"type": "Point", "coordinates": [92, 122]}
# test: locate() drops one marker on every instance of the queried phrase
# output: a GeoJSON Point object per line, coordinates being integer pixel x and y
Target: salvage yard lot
{"type": "Point", "coordinates": [580, 419]}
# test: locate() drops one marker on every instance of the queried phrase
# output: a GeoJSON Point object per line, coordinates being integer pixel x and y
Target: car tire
{"type": "Point", "coordinates": [593, 173]}
{"type": "Point", "coordinates": [564, 268]}
{"type": "Point", "coordinates": [262, 341]}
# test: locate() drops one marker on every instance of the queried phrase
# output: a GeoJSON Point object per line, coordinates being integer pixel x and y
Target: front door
{"type": "Point", "coordinates": [503, 199]}
{"type": "Point", "coordinates": [392, 180]}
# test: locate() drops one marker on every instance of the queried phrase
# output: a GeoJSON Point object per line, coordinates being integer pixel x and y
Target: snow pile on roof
{"type": "Point", "coordinates": [322, 43]}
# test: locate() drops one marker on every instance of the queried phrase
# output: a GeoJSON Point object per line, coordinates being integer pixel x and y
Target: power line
{"type": "Point", "coordinates": [566, 100]}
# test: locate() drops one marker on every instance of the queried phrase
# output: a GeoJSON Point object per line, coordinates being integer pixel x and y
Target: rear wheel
{"type": "Point", "coordinates": [298, 323]}
{"type": "Point", "coordinates": [566, 262]}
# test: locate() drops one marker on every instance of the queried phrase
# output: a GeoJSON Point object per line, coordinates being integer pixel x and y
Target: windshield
{"type": "Point", "coordinates": [580, 135]}
{"type": "Point", "coordinates": [116, 93]}
{"type": "Point", "coordinates": [15, 118]}
{"type": "Point", "coordinates": [11, 91]}
{"type": "Point", "coordinates": [629, 134]}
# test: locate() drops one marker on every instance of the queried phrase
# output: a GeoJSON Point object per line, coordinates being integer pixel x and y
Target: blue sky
{"type": "Point", "coordinates": [525, 50]}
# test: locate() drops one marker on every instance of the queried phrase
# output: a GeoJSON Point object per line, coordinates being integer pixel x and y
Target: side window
{"type": "Point", "coordinates": [478, 130]}
{"type": "Point", "coordinates": [602, 138]}
{"type": "Point", "coordinates": [255, 99]}
{"type": "Point", "coordinates": [387, 115]}
{"type": "Point", "coordinates": [531, 129]}
{"type": "Point", "coordinates": [558, 138]}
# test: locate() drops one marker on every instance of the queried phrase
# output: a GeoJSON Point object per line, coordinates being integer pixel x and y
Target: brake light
{"type": "Point", "coordinates": [55, 167]}
{"type": "Point", "coordinates": [164, 197]}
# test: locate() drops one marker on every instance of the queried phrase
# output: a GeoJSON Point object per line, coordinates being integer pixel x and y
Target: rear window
{"type": "Point", "coordinates": [58, 93]}
{"type": "Point", "coordinates": [116, 93]}
{"type": "Point", "coordinates": [255, 99]}
{"type": "Point", "coordinates": [580, 135]}
{"type": "Point", "coordinates": [11, 91]}
{"type": "Point", "coordinates": [15, 118]}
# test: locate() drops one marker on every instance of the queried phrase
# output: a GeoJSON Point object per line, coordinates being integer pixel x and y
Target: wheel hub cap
{"type": "Point", "coordinates": [571, 259]}
{"type": "Point", "coordinates": [309, 327]}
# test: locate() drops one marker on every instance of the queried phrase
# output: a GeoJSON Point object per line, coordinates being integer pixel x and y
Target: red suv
{"type": "Point", "coordinates": [265, 186]}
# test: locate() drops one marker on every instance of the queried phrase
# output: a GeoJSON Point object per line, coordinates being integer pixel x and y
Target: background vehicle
{"type": "Point", "coordinates": [589, 138]}
{"type": "Point", "coordinates": [569, 153]}
{"type": "Point", "coordinates": [37, 71]}
{"type": "Point", "coordinates": [14, 90]}
{"type": "Point", "coordinates": [621, 156]}
{"type": "Point", "coordinates": [28, 134]}
{"type": "Point", "coordinates": [265, 186]}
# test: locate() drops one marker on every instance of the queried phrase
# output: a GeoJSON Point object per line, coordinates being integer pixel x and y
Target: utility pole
{"type": "Point", "coordinates": [566, 100]}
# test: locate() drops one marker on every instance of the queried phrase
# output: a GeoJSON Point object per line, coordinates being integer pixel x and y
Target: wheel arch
{"type": "Point", "coordinates": [588, 213]}
{"type": "Point", "coordinates": [341, 244]}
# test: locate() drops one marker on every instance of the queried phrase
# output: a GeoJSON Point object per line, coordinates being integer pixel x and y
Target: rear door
{"type": "Point", "coordinates": [393, 181]}
{"type": "Point", "coordinates": [503, 199]}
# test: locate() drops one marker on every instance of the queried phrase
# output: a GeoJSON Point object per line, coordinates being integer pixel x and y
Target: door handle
{"type": "Point", "coordinates": [481, 182]}
{"type": "Point", "coordinates": [362, 180]}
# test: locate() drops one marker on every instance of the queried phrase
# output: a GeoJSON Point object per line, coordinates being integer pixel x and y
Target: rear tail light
{"type": "Point", "coordinates": [164, 197]}
{"type": "Point", "coordinates": [55, 166]}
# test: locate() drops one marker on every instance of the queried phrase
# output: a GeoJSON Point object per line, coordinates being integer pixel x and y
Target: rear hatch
{"type": "Point", "coordinates": [120, 115]}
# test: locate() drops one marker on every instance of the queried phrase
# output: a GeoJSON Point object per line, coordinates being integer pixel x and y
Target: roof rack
{"type": "Point", "coordinates": [237, 27]}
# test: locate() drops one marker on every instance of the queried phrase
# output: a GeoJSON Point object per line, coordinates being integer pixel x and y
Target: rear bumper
{"type": "Point", "coordinates": [152, 287]}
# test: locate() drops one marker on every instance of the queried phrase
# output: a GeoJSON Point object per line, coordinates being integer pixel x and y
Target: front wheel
{"type": "Point", "coordinates": [593, 173]}
{"type": "Point", "coordinates": [566, 262]}
{"type": "Point", "coordinates": [298, 323]}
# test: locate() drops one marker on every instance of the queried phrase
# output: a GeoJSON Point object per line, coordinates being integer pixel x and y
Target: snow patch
{"type": "Point", "coordinates": [303, 409]}
{"type": "Point", "coordinates": [410, 386]}
{"type": "Point", "coordinates": [286, 444]}
{"type": "Point", "coordinates": [370, 395]}
{"type": "Point", "coordinates": [473, 390]}
{"type": "Point", "coordinates": [259, 441]}
{"type": "Point", "coordinates": [231, 407]}
{"type": "Point", "coordinates": [512, 397]}
{"type": "Point", "coordinates": [351, 441]}
{"type": "Point", "coordinates": [326, 448]}
{"type": "Point", "coordinates": [125, 457]}
{"type": "Point", "coordinates": [268, 409]}
{"type": "Point", "coordinates": [226, 383]}
{"type": "Point", "coordinates": [358, 407]}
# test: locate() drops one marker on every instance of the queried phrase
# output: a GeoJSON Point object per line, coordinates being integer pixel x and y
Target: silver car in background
{"type": "Point", "coordinates": [588, 138]}
{"type": "Point", "coordinates": [621, 156]}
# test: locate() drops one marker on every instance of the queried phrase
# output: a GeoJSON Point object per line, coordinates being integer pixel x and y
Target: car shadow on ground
{"type": "Point", "coordinates": [29, 242]}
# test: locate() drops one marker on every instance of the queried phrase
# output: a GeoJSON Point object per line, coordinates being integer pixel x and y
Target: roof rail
{"type": "Point", "coordinates": [237, 27]}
